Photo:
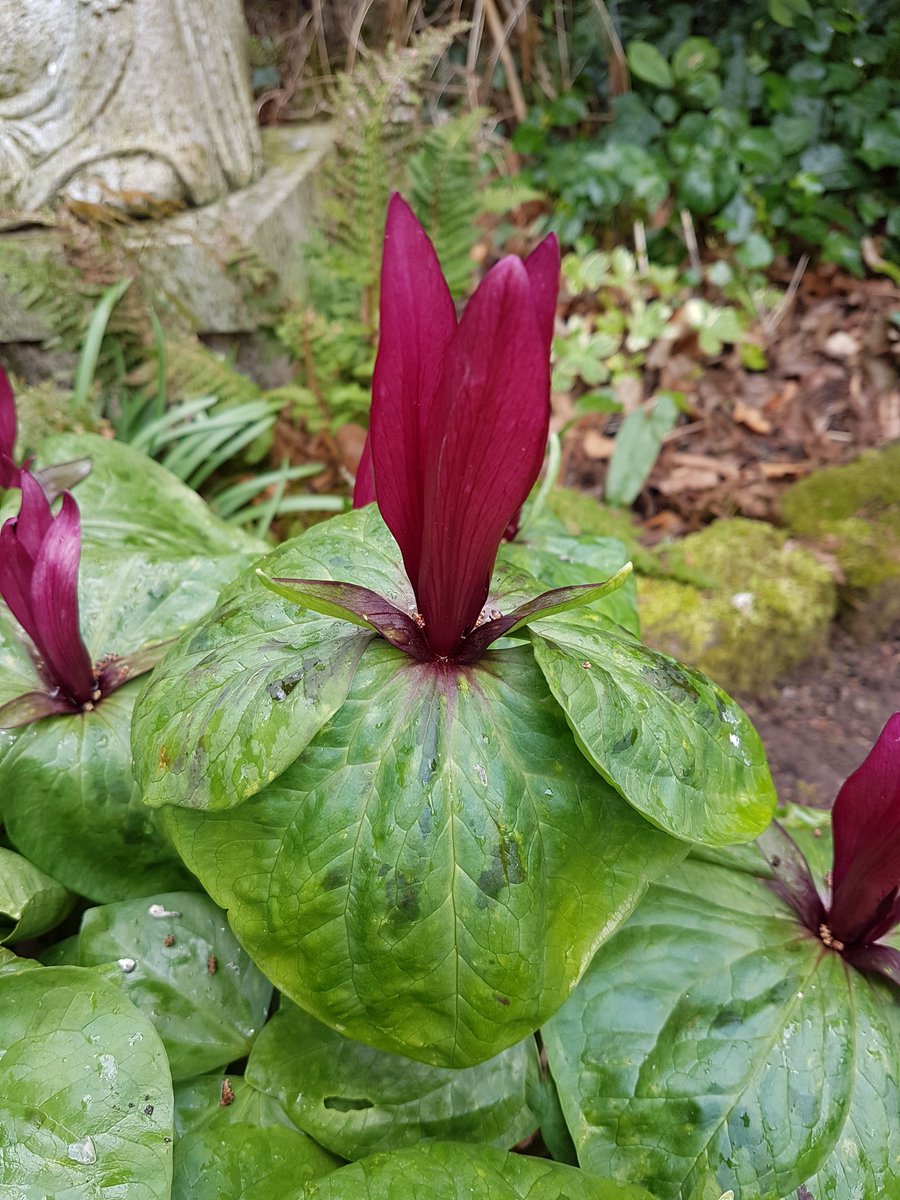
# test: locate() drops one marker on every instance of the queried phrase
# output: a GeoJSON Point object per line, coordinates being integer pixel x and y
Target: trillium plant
{"type": "Point", "coordinates": [313, 841]}
{"type": "Point", "coordinates": [424, 785]}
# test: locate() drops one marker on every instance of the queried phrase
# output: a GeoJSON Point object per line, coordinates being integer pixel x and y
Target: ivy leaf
{"type": "Point", "coordinates": [357, 1100]}
{"type": "Point", "coordinates": [243, 692]}
{"type": "Point", "coordinates": [714, 1035]}
{"type": "Point", "coordinates": [179, 962]}
{"type": "Point", "coordinates": [86, 1102]}
{"type": "Point", "coordinates": [646, 62]}
{"type": "Point", "coordinates": [434, 872]}
{"type": "Point", "coordinates": [445, 1171]}
{"type": "Point", "coordinates": [673, 743]}
{"type": "Point", "coordinates": [71, 807]}
{"type": "Point", "coordinates": [30, 902]}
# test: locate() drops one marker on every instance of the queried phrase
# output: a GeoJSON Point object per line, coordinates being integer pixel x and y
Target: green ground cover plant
{"type": "Point", "coordinates": [774, 126]}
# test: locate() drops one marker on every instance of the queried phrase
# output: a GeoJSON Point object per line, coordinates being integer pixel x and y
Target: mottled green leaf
{"type": "Point", "coordinates": [433, 874]}
{"type": "Point", "coordinates": [557, 559]}
{"type": "Point", "coordinates": [224, 1099]}
{"type": "Point", "coordinates": [179, 962]}
{"type": "Point", "coordinates": [129, 502]}
{"type": "Point", "coordinates": [246, 1162]}
{"type": "Point", "coordinates": [11, 964]}
{"type": "Point", "coordinates": [714, 1035]}
{"type": "Point", "coordinates": [357, 1100]}
{"type": "Point", "coordinates": [677, 748]}
{"type": "Point", "coordinates": [30, 901]}
{"type": "Point", "coordinates": [242, 694]}
{"type": "Point", "coordinates": [85, 1092]}
{"type": "Point", "coordinates": [447, 1171]}
{"type": "Point", "coordinates": [71, 807]}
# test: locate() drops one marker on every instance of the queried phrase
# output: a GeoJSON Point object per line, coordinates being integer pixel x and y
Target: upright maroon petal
{"type": "Point", "coordinates": [484, 446]}
{"type": "Point", "coordinates": [542, 265]}
{"type": "Point", "coordinates": [8, 424]}
{"type": "Point", "coordinates": [364, 487]}
{"type": "Point", "coordinates": [16, 568]}
{"type": "Point", "coordinates": [418, 320]}
{"type": "Point", "coordinates": [54, 596]}
{"type": "Point", "coordinates": [35, 516]}
{"type": "Point", "coordinates": [866, 825]}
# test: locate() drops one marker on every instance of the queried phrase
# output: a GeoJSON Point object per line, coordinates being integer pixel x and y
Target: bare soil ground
{"type": "Point", "coordinates": [819, 723]}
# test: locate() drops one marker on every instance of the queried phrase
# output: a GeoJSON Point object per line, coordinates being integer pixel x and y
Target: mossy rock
{"type": "Point", "coordinates": [768, 610]}
{"type": "Point", "coordinates": [45, 409]}
{"type": "Point", "coordinates": [853, 512]}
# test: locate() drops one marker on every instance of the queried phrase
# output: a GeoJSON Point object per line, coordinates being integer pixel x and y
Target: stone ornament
{"type": "Point", "coordinates": [106, 100]}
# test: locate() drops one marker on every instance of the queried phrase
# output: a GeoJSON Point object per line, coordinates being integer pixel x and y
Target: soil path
{"type": "Point", "coordinates": [820, 722]}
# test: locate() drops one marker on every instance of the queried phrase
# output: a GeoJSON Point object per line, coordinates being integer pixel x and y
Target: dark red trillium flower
{"type": "Point", "coordinates": [865, 877]}
{"type": "Point", "coordinates": [10, 474]}
{"type": "Point", "coordinates": [39, 558]}
{"type": "Point", "coordinates": [460, 416]}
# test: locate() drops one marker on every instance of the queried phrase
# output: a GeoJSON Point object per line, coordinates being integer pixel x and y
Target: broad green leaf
{"type": "Point", "coordinates": [714, 1035]}
{"type": "Point", "coordinates": [11, 964]}
{"type": "Point", "coordinates": [636, 449]}
{"type": "Point", "coordinates": [785, 12]}
{"type": "Point", "coordinates": [30, 901]}
{"type": "Point", "coordinates": [357, 1100]}
{"type": "Point", "coordinates": [62, 954]}
{"type": "Point", "coordinates": [242, 694]}
{"type": "Point", "coordinates": [85, 1091]}
{"type": "Point", "coordinates": [447, 1171]}
{"type": "Point", "coordinates": [677, 748]}
{"type": "Point", "coordinates": [180, 964]}
{"type": "Point", "coordinates": [433, 874]}
{"type": "Point", "coordinates": [246, 1162]}
{"type": "Point", "coordinates": [695, 55]}
{"type": "Point", "coordinates": [224, 1099]}
{"type": "Point", "coordinates": [646, 62]}
{"type": "Point", "coordinates": [128, 501]}
{"type": "Point", "coordinates": [550, 554]}
{"type": "Point", "coordinates": [71, 807]}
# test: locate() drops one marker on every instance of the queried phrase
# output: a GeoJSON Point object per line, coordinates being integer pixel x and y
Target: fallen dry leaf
{"type": "Point", "coordinates": [688, 479]}
{"type": "Point", "coordinates": [746, 414]}
{"type": "Point", "coordinates": [597, 445]}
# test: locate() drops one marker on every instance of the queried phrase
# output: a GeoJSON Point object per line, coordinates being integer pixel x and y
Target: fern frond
{"type": "Point", "coordinates": [377, 119]}
{"type": "Point", "coordinates": [445, 194]}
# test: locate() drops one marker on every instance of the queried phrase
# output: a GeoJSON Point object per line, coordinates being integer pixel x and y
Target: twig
{"type": "Point", "coordinates": [771, 323]}
{"type": "Point", "coordinates": [562, 43]}
{"type": "Point", "coordinates": [356, 33]}
{"type": "Point", "coordinates": [690, 240]}
{"type": "Point", "coordinates": [619, 78]}
{"type": "Point", "coordinates": [640, 247]}
{"type": "Point", "coordinates": [516, 95]}
{"type": "Point", "coordinates": [472, 53]}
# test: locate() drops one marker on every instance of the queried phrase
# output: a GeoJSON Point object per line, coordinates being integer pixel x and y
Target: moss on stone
{"type": "Point", "coordinates": [45, 409]}
{"type": "Point", "coordinates": [853, 512]}
{"type": "Point", "coordinates": [768, 610]}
